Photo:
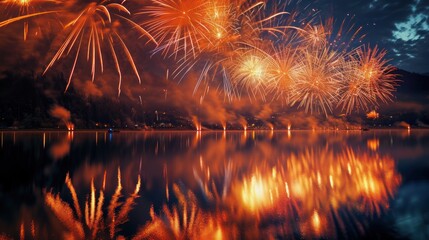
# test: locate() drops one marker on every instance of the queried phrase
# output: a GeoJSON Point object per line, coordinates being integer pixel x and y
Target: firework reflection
{"type": "Point", "coordinates": [317, 192]}
{"type": "Point", "coordinates": [90, 222]}
{"type": "Point", "coordinates": [184, 220]}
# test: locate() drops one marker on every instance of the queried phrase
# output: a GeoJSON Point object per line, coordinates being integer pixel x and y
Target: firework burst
{"type": "Point", "coordinates": [269, 50]}
{"type": "Point", "coordinates": [318, 78]}
{"type": "Point", "coordinates": [95, 28]}
{"type": "Point", "coordinates": [215, 33]}
{"type": "Point", "coordinates": [23, 10]}
{"type": "Point", "coordinates": [178, 25]}
{"type": "Point", "coordinates": [376, 73]}
{"type": "Point", "coordinates": [316, 35]}
{"type": "Point", "coordinates": [370, 80]}
{"type": "Point", "coordinates": [282, 72]}
{"type": "Point", "coordinates": [250, 71]}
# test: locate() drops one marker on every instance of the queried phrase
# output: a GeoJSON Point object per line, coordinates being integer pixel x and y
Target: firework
{"type": "Point", "coordinates": [370, 80]}
{"type": "Point", "coordinates": [250, 71]}
{"type": "Point", "coordinates": [177, 25]}
{"type": "Point", "coordinates": [376, 73]}
{"type": "Point", "coordinates": [316, 35]}
{"type": "Point", "coordinates": [95, 28]}
{"type": "Point", "coordinates": [215, 33]}
{"type": "Point", "coordinates": [317, 80]}
{"type": "Point", "coordinates": [283, 72]}
{"type": "Point", "coordinates": [243, 46]}
{"type": "Point", "coordinates": [23, 10]}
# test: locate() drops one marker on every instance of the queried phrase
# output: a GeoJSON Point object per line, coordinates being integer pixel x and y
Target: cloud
{"type": "Point", "coordinates": [411, 29]}
{"type": "Point", "coordinates": [410, 36]}
{"type": "Point", "coordinates": [391, 24]}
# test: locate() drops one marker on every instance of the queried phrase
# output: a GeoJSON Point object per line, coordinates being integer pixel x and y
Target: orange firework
{"type": "Point", "coordinates": [22, 10]}
{"type": "Point", "coordinates": [317, 35]}
{"type": "Point", "coordinates": [221, 17]}
{"type": "Point", "coordinates": [317, 81]}
{"type": "Point", "coordinates": [376, 73]}
{"type": "Point", "coordinates": [257, 47]}
{"type": "Point", "coordinates": [178, 25]}
{"type": "Point", "coordinates": [96, 27]}
{"type": "Point", "coordinates": [250, 71]}
{"type": "Point", "coordinates": [372, 115]}
{"type": "Point", "coordinates": [332, 34]}
{"type": "Point", "coordinates": [214, 33]}
{"type": "Point", "coordinates": [370, 79]}
{"type": "Point", "coordinates": [283, 72]}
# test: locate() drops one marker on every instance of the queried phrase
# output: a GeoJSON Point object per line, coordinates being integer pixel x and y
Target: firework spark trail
{"type": "Point", "coordinates": [182, 221]}
{"type": "Point", "coordinates": [128, 204]}
{"type": "Point", "coordinates": [64, 213]}
{"type": "Point", "coordinates": [17, 19]}
{"type": "Point", "coordinates": [24, 10]}
{"type": "Point", "coordinates": [370, 80]}
{"type": "Point", "coordinates": [177, 25]}
{"type": "Point", "coordinates": [232, 45]}
{"type": "Point", "coordinates": [113, 205]}
{"type": "Point", "coordinates": [318, 79]}
{"type": "Point", "coordinates": [95, 27]}
{"type": "Point", "coordinates": [74, 196]}
{"type": "Point", "coordinates": [247, 45]}
{"type": "Point", "coordinates": [282, 72]}
{"type": "Point", "coordinates": [250, 72]}
{"type": "Point", "coordinates": [92, 224]}
{"type": "Point", "coordinates": [225, 26]}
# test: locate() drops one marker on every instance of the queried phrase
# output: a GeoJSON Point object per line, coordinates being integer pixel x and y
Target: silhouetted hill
{"type": "Point", "coordinates": [412, 83]}
{"type": "Point", "coordinates": [25, 102]}
{"type": "Point", "coordinates": [410, 104]}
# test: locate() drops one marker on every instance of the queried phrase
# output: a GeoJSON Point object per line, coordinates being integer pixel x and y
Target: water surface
{"type": "Point", "coordinates": [215, 185]}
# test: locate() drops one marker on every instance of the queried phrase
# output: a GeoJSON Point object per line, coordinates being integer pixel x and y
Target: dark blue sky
{"type": "Point", "coordinates": [399, 26]}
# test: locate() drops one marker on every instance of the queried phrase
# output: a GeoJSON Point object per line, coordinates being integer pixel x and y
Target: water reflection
{"type": "Point", "coordinates": [308, 192]}
{"type": "Point", "coordinates": [214, 185]}
{"type": "Point", "coordinates": [91, 223]}
{"type": "Point", "coordinates": [184, 220]}
{"type": "Point", "coordinates": [61, 147]}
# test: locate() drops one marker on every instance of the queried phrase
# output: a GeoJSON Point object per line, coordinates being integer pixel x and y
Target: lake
{"type": "Point", "coordinates": [215, 185]}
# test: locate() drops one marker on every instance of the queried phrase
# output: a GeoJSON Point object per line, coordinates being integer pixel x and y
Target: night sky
{"type": "Point", "coordinates": [399, 26]}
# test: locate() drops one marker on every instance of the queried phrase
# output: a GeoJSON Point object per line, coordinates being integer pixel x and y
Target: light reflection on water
{"type": "Point", "coordinates": [215, 185]}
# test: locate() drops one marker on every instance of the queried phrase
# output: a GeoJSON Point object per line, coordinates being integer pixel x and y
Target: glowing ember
{"type": "Point", "coordinates": [372, 115]}
{"type": "Point", "coordinates": [70, 126]}
{"type": "Point", "coordinates": [373, 144]}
